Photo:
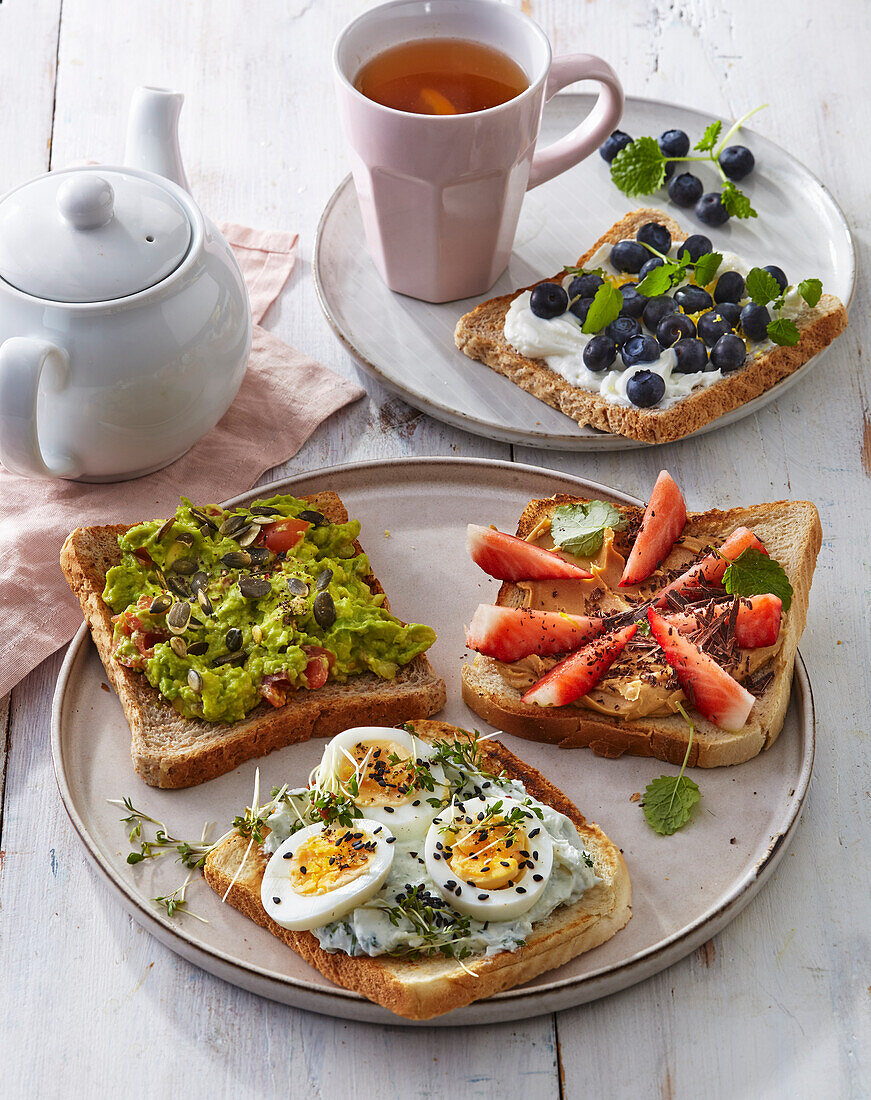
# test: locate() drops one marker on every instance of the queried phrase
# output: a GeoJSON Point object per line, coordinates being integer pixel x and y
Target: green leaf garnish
{"type": "Point", "coordinates": [639, 169]}
{"type": "Point", "coordinates": [658, 281]}
{"type": "Point", "coordinates": [580, 528]}
{"type": "Point", "coordinates": [709, 138]}
{"type": "Point", "coordinates": [707, 267]}
{"type": "Point", "coordinates": [761, 286]}
{"type": "Point", "coordinates": [811, 290]}
{"type": "Point", "coordinates": [669, 800]}
{"type": "Point", "coordinates": [736, 202]}
{"type": "Point", "coordinates": [605, 308]}
{"type": "Point", "coordinates": [783, 331]}
{"type": "Point", "coordinates": [753, 573]}
{"type": "Point", "coordinates": [643, 627]}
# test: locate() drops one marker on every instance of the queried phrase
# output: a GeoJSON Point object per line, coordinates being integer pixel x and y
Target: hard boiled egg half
{"type": "Point", "coordinates": [322, 872]}
{"type": "Point", "coordinates": [490, 858]}
{"type": "Point", "coordinates": [388, 773]}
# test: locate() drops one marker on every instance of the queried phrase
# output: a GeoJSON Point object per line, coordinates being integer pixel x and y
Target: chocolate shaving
{"type": "Point", "coordinates": [757, 684]}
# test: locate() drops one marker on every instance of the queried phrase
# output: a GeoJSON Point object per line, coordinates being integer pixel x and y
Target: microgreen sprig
{"type": "Point", "coordinates": [669, 800]}
{"type": "Point", "coordinates": [439, 926]}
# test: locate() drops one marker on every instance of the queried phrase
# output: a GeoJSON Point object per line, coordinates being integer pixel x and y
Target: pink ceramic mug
{"type": "Point", "coordinates": [440, 195]}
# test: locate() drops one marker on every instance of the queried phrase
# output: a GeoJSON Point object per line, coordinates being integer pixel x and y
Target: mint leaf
{"type": "Point", "coordinates": [644, 627]}
{"type": "Point", "coordinates": [605, 307]}
{"type": "Point", "coordinates": [811, 290]}
{"type": "Point", "coordinates": [668, 803]}
{"type": "Point", "coordinates": [761, 286]}
{"type": "Point", "coordinates": [639, 169]}
{"type": "Point", "coordinates": [580, 528]}
{"type": "Point", "coordinates": [783, 331]}
{"type": "Point", "coordinates": [736, 202]}
{"type": "Point", "coordinates": [658, 281]}
{"type": "Point", "coordinates": [707, 267]}
{"type": "Point", "coordinates": [753, 573]}
{"type": "Point", "coordinates": [709, 138]}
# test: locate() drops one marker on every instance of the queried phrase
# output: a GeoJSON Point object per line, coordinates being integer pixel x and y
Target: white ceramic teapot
{"type": "Point", "coordinates": [124, 319]}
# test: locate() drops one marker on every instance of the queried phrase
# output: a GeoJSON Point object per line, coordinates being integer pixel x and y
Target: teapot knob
{"type": "Point", "coordinates": [86, 200]}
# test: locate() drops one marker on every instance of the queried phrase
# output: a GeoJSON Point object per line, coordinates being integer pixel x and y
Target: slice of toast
{"type": "Point", "coordinates": [170, 750]}
{"type": "Point", "coordinates": [791, 533]}
{"type": "Point", "coordinates": [423, 988]}
{"type": "Point", "coordinates": [480, 335]}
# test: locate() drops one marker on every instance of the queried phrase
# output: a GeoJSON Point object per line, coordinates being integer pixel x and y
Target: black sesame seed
{"type": "Point", "coordinates": [277, 901]}
{"type": "Point", "coordinates": [483, 897]}
{"type": "Point", "coordinates": [535, 855]}
{"type": "Point", "coordinates": [521, 889]}
{"type": "Point", "coordinates": [416, 802]}
{"type": "Point", "coordinates": [287, 855]}
{"type": "Point", "coordinates": [303, 870]}
{"type": "Point", "coordinates": [435, 855]}
{"type": "Point", "coordinates": [413, 854]}
{"type": "Point", "coordinates": [391, 840]}
{"type": "Point", "coordinates": [388, 809]}
{"type": "Point", "coordinates": [537, 878]}
{"type": "Point", "coordinates": [534, 832]}
{"type": "Point", "coordinates": [450, 883]}
{"type": "Point", "coordinates": [524, 853]}
{"type": "Point", "coordinates": [439, 845]}
{"type": "Point", "coordinates": [458, 891]}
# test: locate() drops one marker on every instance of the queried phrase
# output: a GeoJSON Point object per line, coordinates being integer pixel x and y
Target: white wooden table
{"type": "Point", "coordinates": [779, 1004]}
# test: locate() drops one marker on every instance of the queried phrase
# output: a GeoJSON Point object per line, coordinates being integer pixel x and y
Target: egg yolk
{"type": "Point", "coordinates": [388, 777]}
{"type": "Point", "coordinates": [492, 855]}
{"type": "Point", "coordinates": [328, 860]}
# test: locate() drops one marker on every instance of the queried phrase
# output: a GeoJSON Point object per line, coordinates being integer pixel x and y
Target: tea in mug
{"type": "Point", "coordinates": [441, 76]}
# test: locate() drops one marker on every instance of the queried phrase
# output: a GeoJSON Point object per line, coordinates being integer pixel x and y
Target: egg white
{"type": "Point", "coordinates": [300, 912]}
{"type": "Point", "coordinates": [484, 903]}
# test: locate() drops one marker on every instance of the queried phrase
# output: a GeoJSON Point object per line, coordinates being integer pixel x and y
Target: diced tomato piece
{"type": "Point", "coordinates": [580, 672]}
{"type": "Point", "coordinates": [664, 518]}
{"type": "Point", "coordinates": [145, 641]}
{"type": "Point", "coordinates": [509, 633]}
{"type": "Point", "coordinates": [320, 661]}
{"type": "Point", "coordinates": [710, 570]}
{"type": "Point", "coordinates": [142, 555]}
{"type": "Point", "coordinates": [274, 688]}
{"type": "Point", "coordinates": [284, 534]}
{"type": "Point", "coordinates": [508, 558]}
{"type": "Point", "coordinates": [711, 690]}
{"type": "Point", "coordinates": [757, 623]}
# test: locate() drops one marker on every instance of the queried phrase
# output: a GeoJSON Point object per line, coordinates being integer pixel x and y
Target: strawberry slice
{"type": "Point", "coordinates": [510, 633]}
{"type": "Point", "coordinates": [664, 519]}
{"type": "Point", "coordinates": [580, 672]}
{"type": "Point", "coordinates": [710, 689]}
{"type": "Point", "coordinates": [757, 623]}
{"type": "Point", "coordinates": [508, 558]}
{"type": "Point", "coordinates": [710, 569]}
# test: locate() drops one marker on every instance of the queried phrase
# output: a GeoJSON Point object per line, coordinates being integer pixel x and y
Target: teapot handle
{"type": "Point", "coordinates": [24, 362]}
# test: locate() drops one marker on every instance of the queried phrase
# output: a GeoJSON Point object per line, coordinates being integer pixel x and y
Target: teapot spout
{"type": "Point", "coordinates": [152, 134]}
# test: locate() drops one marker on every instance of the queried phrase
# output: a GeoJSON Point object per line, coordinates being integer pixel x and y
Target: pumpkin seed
{"type": "Point", "coordinates": [232, 524]}
{"type": "Point", "coordinates": [237, 559]}
{"type": "Point", "coordinates": [265, 510]}
{"type": "Point", "coordinates": [160, 604]}
{"type": "Point", "coordinates": [253, 588]}
{"type": "Point", "coordinates": [324, 578]}
{"type": "Point", "coordinates": [178, 617]}
{"type": "Point", "coordinates": [256, 634]}
{"type": "Point", "coordinates": [185, 538]}
{"type": "Point", "coordinates": [198, 581]}
{"type": "Point", "coordinates": [179, 586]}
{"type": "Point", "coordinates": [197, 649]}
{"type": "Point", "coordinates": [164, 529]}
{"type": "Point", "coordinates": [229, 659]}
{"type": "Point", "coordinates": [297, 587]}
{"type": "Point", "coordinates": [246, 536]}
{"type": "Point", "coordinates": [178, 646]}
{"type": "Point", "coordinates": [203, 518]}
{"type": "Point", "coordinates": [195, 681]}
{"type": "Point", "coordinates": [318, 519]}
{"type": "Point", "coordinates": [185, 566]}
{"type": "Point", "coordinates": [204, 602]}
{"type": "Point", "coordinates": [324, 610]}
{"type": "Point", "coordinates": [259, 554]}
{"type": "Point", "coordinates": [233, 639]}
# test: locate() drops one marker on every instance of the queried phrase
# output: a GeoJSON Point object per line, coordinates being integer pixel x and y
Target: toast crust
{"type": "Point", "coordinates": [422, 989]}
{"type": "Point", "coordinates": [480, 335]}
{"type": "Point", "coordinates": [791, 532]}
{"type": "Point", "coordinates": [171, 751]}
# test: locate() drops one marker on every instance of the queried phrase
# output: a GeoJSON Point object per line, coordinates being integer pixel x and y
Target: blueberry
{"type": "Point", "coordinates": [652, 264]}
{"type": "Point", "coordinates": [633, 302]}
{"type": "Point", "coordinates": [670, 166]}
{"type": "Point", "coordinates": [736, 161]}
{"type": "Point", "coordinates": [584, 286]}
{"type": "Point", "coordinates": [693, 299]}
{"type": "Point", "coordinates": [710, 210]}
{"type": "Point", "coordinates": [600, 353]}
{"type": "Point", "coordinates": [640, 349]}
{"type": "Point", "coordinates": [685, 189]}
{"type": "Point", "coordinates": [656, 309]}
{"type": "Point", "coordinates": [779, 277]}
{"type": "Point", "coordinates": [645, 389]}
{"type": "Point", "coordinates": [623, 329]}
{"type": "Point", "coordinates": [754, 321]}
{"type": "Point", "coordinates": [692, 356]}
{"type": "Point", "coordinates": [612, 145]}
{"type": "Point", "coordinates": [731, 311]}
{"type": "Point", "coordinates": [674, 327]}
{"type": "Point", "coordinates": [728, 353]}
{"type": "Point", "coordinates": [581, 308]}
{"type": "Point", "coordinates": [729, 288]}
{"type": "Point", "coordinates": [696, 245]}
{"type": "Point", "coordinates": [548, 300]}
{"type": "Point", "coordinates": [674, 143]}
{"type": "Point", "coordinates": [629, 256]}
{"type": "Point", "coordinates": [656, 235]}
{"type": "Point", "coordinates": [711, 326]}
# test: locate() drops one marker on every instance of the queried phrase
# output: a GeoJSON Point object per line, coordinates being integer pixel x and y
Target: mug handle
{"type": "Point", "coordinates": [24, 362]}
{"type": "Point", "coordinates": [589, 134]}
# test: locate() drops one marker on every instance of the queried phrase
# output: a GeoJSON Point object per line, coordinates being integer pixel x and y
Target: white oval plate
{"type": "Point", "coordinates": [409, 345]}
{"type": "Point", "coordinates": [685, 887]}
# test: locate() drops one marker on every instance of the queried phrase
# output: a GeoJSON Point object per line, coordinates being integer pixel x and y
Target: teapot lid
{"type": "Point", "coordinates": [91, 235]}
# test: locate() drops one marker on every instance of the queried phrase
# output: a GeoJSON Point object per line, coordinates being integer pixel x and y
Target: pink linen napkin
{"type": "Point", "coordinates": [283, 398]}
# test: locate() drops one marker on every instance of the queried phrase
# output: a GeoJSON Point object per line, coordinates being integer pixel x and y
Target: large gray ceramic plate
{"type": "Point", "coordinates": [409, 345]}
{"type": "Point", "coordinates": [685, 887]}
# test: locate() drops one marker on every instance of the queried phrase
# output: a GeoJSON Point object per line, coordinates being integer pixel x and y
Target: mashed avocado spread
{"type": "Point", "coordinates": [223, 608]}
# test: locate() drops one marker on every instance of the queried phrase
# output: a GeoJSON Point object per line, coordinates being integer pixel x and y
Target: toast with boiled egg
{"type": "Point", "coordinates": [721, 700]}
{"type": "Point", "coordinates": [472, 872]}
